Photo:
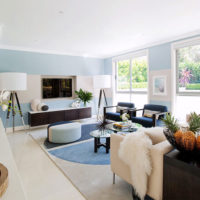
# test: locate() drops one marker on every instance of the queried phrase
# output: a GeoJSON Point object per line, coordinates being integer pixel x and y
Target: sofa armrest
{"type": "Point", "coordinates": [117, 165]}
{"type": "Point", "coordinates": [155, 182]}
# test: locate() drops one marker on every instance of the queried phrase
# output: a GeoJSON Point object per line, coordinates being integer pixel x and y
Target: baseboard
{"type": "Point", "coordinates": [17, 128]}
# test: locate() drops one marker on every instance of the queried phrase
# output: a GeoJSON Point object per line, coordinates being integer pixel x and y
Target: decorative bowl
{"type": "Point", "coordinates": [170, 137]}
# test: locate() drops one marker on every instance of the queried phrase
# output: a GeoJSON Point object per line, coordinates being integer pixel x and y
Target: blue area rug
{"type": "Point", "coordinates": [83, 153]}
{"type": "Point", "coordinates": [85, 135]}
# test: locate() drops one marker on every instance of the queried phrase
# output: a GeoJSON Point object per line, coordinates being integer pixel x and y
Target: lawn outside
{"type": "Point", "coordinates": [125, 86]}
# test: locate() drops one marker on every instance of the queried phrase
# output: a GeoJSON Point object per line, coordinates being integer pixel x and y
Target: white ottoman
{"type": "Point", "coordinates": [64, 133]}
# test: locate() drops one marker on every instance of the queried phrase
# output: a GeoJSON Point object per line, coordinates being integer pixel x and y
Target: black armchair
{"type": "Point", "coordinates": [121, 108]}
{"type": "Point", "coordinates": [151, 115]}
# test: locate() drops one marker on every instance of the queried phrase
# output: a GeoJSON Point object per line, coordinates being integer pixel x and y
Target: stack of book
{"type": "Point", "coordinates": [121, 126]}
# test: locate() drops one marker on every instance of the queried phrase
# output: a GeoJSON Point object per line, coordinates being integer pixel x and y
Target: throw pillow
{"type": "Point", "coordinates": [149, 113]}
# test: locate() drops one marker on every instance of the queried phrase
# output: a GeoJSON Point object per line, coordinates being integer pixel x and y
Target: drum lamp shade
{"type": "Point", "coordinates": [101, 81]}
{"type": "Point", "coordinates": [13, 81]}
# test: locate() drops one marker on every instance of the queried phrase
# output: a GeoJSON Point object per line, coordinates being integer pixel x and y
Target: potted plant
{"type": "Point", "coordinates": [84, 96]}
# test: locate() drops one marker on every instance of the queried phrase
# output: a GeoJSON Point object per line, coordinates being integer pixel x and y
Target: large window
{"type": "Point", "coordinates": [123, 75]}
{"type": "Point", "coordinates": [131, 80]}
{"type": "Point", "coordinates": [188, 69]}
{"type": "Point", "coordinates": [187, 95]}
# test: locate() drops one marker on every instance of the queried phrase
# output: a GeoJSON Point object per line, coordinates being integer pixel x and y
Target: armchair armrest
{"type": "Point", "coordinates": [161, 113]}
{"type": "Point", "coordinates": [130, 111]}
{"type": "Point", "coordinates": [156, 115]}
{"type": "Point", "coordinates": [109, 106]}
{"type": "Point", "coordinates": [133, 111]}
{"type": "Point", "coordinates": [104, 109]}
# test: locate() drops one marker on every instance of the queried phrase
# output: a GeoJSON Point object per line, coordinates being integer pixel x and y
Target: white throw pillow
{"type": "Point", "coordinates": [119, 108]}
{"type": "Point", "coordinates": [149, 113]}
{"type": "Point", "coordinates": [156, 134]}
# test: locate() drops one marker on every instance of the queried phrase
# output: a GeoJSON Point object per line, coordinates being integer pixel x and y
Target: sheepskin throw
{"type": "Point", "coordinates": [135, 152]}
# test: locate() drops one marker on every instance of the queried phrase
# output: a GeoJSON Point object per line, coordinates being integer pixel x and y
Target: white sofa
{"type": "Point", "coordinates": [160, 147]}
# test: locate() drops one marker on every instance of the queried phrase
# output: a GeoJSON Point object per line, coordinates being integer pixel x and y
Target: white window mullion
{"type": "Point", "coordinates": [130, 79]}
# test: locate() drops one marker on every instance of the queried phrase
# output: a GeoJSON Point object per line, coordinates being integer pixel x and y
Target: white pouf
{"type": "Point", "coordinates": [64, 133]}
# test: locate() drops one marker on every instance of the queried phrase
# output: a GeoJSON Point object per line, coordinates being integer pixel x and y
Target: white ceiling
{"type": "Point", "coordinates": [94, 27]}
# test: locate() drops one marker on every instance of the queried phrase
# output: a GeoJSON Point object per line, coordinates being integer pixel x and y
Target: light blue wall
{"type": "Point", "coordinates": [108, 66]}
{"type": "Point", "coordinates": [160, 57]}
{"type": "Point", "coordinates": [49, 64]}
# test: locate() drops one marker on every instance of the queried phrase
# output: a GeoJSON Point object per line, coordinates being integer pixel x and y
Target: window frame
{"type": "Point", "coordinates": [175, 47]}
{"type": "Point", "coordinates": [130, 57]}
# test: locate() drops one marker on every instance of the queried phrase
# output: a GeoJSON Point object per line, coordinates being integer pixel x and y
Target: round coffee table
{"type": "Point", "coordinates": [134, 127]}
{"type": "Point", "coordinates": [97, 135]}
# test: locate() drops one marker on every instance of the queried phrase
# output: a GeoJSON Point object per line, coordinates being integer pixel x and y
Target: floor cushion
{"type": "Point", "coordinates": [64, 133]}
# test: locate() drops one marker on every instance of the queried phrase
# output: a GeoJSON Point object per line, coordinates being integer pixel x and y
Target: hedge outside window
{"type": "Point", "coordinates": [132, 78]}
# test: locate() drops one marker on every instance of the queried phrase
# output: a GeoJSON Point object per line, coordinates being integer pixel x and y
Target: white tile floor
{"type": "Point", "coordinates": [41, 178]}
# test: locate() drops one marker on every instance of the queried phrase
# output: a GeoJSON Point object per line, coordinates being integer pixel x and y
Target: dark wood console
{"type": "Point", "coordinates": [181, 179]}
{"type": "Point", "coordinates": [51, 116]}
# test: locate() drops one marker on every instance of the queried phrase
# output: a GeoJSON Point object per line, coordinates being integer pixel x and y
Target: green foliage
{"type": "Point", "coordinates": [139, 74]}
{"type": "Point", "coordinates": [134, 86]}
{"type": "Point", "coordinates": [171, 123]}
{"type": "Point", "coordinates": [193, 86]}
{"type": "Point", "coordinates": [189, 59]}
{"type": "Point", "coordinates": [139, 70]}
{"type": "Point", "coordinates": [194, 122]}
{"type": "Point", "coordinates": [193, 67]}
{"type": "Point", "coordinates": [84, 96]}
{"type": "Point", "coordinates": [125, 115]}
{"type": "Point", "coordinates": [139, 85]}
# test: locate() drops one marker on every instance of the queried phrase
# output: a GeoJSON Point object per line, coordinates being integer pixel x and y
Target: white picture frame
{"type": "Point", "coordinates": [160, 85]}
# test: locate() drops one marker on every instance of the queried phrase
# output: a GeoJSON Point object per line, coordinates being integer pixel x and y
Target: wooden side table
{"type": "Point", "coordinates": [181, 176]}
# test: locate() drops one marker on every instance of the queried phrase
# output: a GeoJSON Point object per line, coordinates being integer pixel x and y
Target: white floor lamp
{"type": "Point", "coordinates": [13, 82]}
{"type": "Point", "coordinates": [101, 82]}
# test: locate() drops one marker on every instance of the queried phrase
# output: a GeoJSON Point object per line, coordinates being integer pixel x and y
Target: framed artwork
{"type": "Point", "coordinates": [159, 85]}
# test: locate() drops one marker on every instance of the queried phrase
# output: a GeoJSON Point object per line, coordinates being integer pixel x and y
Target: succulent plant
{"type": "Point", "coordinates": [171, 123]}
{"type": "Point", "coordinates": [194, 122]}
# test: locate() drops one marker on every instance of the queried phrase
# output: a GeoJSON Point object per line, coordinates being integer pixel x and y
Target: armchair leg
{"type": "Point", "coordinates": [113, 178]}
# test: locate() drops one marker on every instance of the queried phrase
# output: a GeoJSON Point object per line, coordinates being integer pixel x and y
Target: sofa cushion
{"type": "Point", "coordinates": [125, 104]}
{"type": "Point", "coordinates": [153, 107]}
{"type": "Point", "coordinates": [156, 134]}
{"type": "Point", "coordinates": [158, 108]}
{"type": "Point", "coordinates": [144, 121]}
{"type": "Point", "coordinates": [113, 116]}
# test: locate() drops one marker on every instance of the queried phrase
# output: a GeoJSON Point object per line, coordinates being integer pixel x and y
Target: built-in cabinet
{"type": "Point", "coordinates": [52, 116]}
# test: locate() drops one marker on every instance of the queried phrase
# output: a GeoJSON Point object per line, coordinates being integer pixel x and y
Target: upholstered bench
{"type": "Point", "coordinates": [64, 132]}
